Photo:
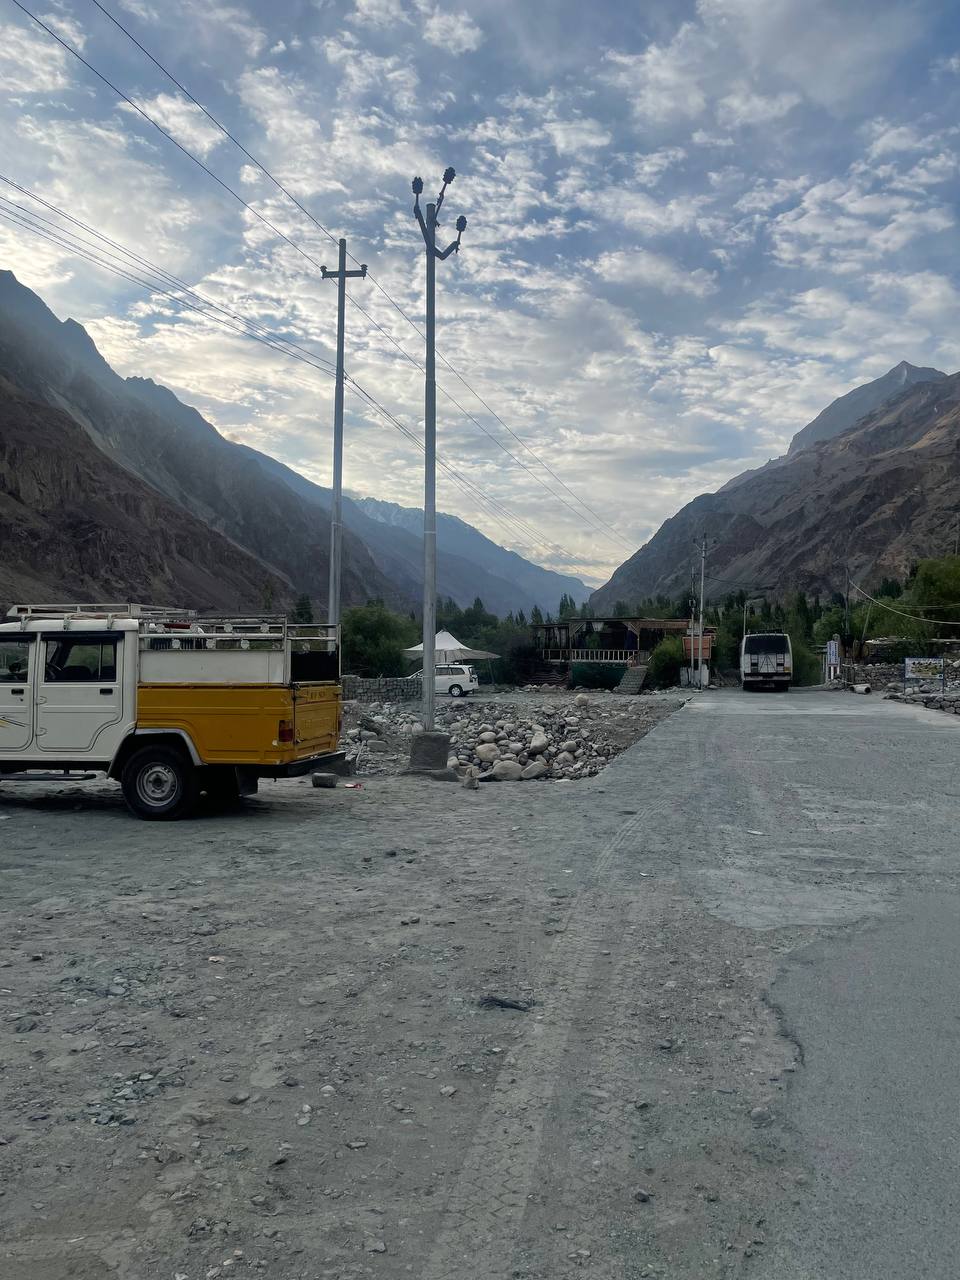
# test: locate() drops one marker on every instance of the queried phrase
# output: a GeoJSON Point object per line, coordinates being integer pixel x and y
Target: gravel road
{"type": "Point", "coordinates": [257, 1043]}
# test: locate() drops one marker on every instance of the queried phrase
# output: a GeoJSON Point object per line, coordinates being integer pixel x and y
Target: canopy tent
{"type": "Point", "coordinates": [449, 649]}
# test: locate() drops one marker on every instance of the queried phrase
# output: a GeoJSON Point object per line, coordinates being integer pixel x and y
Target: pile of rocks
{"type": "Point", "coordinates": [506, 738]}
{"type": "Point", "coordinates": [556, 742]}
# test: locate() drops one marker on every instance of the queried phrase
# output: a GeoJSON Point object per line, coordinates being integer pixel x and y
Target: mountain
{"type": "Point", "coordinates": [147, 431]}
{"type": "Point", "coordinates": [257, 503]}
{"type": "Point", "coordinates": [845, 412]}
{"type": "Point", "coordinates": [76, 526]}
{"type": "Point", "coordinates": [397, 550]}
{"type": "Point", "coordinates": [506, 572]}
{"type": "Point", "coordinates": [872, 499]}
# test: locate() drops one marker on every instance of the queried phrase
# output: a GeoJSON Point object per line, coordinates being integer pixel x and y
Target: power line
{"type": "Point", "coordinates": [916, 617]}
{"type": "Point", "coordinates": [513, 525]}
{"type": "Point", "coordinates": [602, 526]}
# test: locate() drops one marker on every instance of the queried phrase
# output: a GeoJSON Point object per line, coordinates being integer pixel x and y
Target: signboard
{"type": "Point", "coordinates": [833, 653]}
{"type": "Point", "coordinates": [923, 669]}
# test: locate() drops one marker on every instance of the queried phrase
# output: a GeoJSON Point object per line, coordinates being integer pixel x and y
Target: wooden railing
{"type": "Point", "coordinates": [590, 655]}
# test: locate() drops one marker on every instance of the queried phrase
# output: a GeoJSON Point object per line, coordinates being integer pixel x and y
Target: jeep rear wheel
{"type": "Point", "coordinates": [160, 784]}
{"type": "Point", "coordinates": [456, 691]}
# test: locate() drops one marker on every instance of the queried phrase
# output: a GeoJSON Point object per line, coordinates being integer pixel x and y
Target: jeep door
{"type": "Point", "coordinates": [16, 692]}
{"type": "Point", "coordinates": [80, 693]}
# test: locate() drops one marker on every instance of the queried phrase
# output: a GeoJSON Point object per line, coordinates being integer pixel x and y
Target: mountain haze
{"type": "Point", "coordinates": [259, 505]}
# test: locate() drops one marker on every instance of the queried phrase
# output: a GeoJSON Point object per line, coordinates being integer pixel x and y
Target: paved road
{"type": "Point", "coordinates": [657, 1113]}
{"type": "Point", "coordinates": [858, 802]}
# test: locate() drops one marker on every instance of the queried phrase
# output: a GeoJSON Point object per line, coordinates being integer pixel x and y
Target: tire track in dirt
{"type": "Point", "coordinates": [479, 1233]}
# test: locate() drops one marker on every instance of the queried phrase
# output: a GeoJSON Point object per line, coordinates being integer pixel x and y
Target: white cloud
{"type": "Point", "coordinates": [643, 269]}
{"type": "Point", "coordinates": [30, 63]}
{"type": "Point", "coordinates": [744, 107]}
{"type": "Point", "coordinates": [573, 137]}
{"type": "Point", "coordinates": [650, 168]}
{"type": "Point", "coordinates": [378, 13]}
{"type": "Point", "coordinates": [182, 120]}
{"type": "Point", "coordinates": [456, 33]}
{"type": "Point", "coordinates": [665, 81]}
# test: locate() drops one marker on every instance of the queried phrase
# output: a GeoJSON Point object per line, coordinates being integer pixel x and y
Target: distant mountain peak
{"type": "Point", "coordinates": [846, 411]}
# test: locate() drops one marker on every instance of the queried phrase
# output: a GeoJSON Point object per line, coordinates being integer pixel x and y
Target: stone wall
{"type": "Point", "coordinates": [387, 689]}
{"type": "Point", "coordinates": [877, 674]}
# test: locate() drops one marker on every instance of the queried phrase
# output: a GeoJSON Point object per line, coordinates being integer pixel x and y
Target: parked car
{"type": "Point", "coordinates": [456, 679]}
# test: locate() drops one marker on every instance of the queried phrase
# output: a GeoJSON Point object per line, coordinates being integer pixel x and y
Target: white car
{"type": "Point", "coordinates": [453, 678]}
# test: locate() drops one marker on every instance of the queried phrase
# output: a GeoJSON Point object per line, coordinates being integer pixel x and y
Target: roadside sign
{"type": "Point", "coordinates": [923, 668]}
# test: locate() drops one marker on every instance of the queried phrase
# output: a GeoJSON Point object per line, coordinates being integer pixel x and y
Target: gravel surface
{"type": "Point", "coordinates": [421, 1030]}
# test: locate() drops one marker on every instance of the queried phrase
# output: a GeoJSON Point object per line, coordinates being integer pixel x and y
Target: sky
{"type": "Point", "coordinates": [691, 225]}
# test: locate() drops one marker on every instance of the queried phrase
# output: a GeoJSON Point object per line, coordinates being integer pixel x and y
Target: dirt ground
{"type": "Point", "coordinates": [258, 1043]}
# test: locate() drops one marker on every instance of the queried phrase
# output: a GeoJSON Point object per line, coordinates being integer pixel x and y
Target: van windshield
{"type": "Point", "coordinates": [766, 644]}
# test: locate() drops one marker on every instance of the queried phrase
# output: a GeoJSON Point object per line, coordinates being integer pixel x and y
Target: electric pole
{"type": "Point", "coordinates": [703, 570]}
{"type": "Point", "coordinates": [341, 275]}
{"type": "Point", "coordinates": [428, 228]}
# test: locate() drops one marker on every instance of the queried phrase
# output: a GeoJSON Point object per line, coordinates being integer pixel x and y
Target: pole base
{"type": "Point", "coordinates": [429, 752]}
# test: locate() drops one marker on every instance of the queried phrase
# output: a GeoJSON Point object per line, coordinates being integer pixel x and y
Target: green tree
{"type": "Point", "coordinates": [568, 607]}
{"type": "Point", "coordinates": [622, 610]}
{"type": "Point", "coordinates": [536, 617]}
{"type": "Point", "coordinates": [663, 669]}
{"type": "Point", "coordinates": [373, 640]}
{"type": "Point", "coordinates": [302, 610]}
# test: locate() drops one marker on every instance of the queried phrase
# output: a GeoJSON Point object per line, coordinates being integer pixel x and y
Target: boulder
{"type": "Point", "coordinates": [538, 744]}
{"type": "Point", "coordinates": [488, 751]}
{"type": "Point", "coordinates": [564, 758]}
{"type": "Point", "coordinates": [582, 700]}
{"type": "Point", "coordinates": [506, 771]}
{"type": "Point", "coordinates": [535, 769]}
{"type": "Point", "coordinates": [488, 735]}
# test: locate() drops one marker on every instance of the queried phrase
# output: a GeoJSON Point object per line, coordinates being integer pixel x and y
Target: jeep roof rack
{"type": "Point", "coordinates": [110, 609]}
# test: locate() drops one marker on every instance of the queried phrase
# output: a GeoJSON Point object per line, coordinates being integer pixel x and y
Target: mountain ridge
{"type": "Point", "coordinates": [872, 498]}
{"type": "Point", "coordinates": [259, 504]}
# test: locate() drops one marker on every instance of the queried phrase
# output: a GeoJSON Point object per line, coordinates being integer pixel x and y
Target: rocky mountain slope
{"type": "Point", "coordinates": [848, 410]}
{"type": "Point", "coordinates": [146, 430]}
{"type": "Point", "coordinates": [267, 508]}
{"type": "Point", "coordinates": [874, 498]}
{"type": "Point", "coordinates": [76, 526]}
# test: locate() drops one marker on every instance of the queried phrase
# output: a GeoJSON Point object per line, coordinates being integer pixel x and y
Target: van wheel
{"type": "Point", "coordinates": [160, 784]}
{"type": "Point", "coordinates": [456, 691]}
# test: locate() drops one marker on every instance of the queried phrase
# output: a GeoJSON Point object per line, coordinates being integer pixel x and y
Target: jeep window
{"type": "Point", "coordinates": [81, 660]}
{"type": "Point", "coordinates": [14, 656]}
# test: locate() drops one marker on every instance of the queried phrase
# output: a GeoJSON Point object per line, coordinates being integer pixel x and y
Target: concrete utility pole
{"type": "Point", "coordinates": [703, 570]}
{"type": "Point", "coordinates": [428, 228]}
{"type": "Point", "coordinates": [341, 275]}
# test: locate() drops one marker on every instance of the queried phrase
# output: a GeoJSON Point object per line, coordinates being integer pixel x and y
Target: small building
{"type": "Point", "coordinates": [628, 641]}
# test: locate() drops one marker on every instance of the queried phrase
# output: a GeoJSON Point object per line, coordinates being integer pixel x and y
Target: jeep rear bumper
{"type": "Point", "coordinates": [333, 761]}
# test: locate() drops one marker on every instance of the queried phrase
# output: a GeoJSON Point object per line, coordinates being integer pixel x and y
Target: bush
{"type": "Point", "coordinates": [373, 640]}
{"type": "Point", "coordinates": [663, 669]}
{"type": "Point", "coordinates": [595, 675]}
{"type": "Point", "coordinates": [807, 667]}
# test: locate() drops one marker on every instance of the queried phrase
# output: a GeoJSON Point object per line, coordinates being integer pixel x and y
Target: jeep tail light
{"type": "Point", "coordinates": [285, 732]}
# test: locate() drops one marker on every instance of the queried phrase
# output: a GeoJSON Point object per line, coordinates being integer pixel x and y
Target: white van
{"type": "Point", "coordinates": [766, 661]}
{"type": "Point", "coordinates": [454, 678]}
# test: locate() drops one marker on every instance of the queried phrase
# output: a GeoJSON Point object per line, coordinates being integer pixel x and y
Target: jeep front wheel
{"type": "Point", "coordinates": [160, 784]}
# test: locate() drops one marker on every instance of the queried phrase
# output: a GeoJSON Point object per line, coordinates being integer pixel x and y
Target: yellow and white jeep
{"type": "Point", "coordinates": [169, 703]}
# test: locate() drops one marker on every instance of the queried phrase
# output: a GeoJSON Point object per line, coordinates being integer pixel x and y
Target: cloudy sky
{"type": "Point", "coordinates": [691, 226]}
